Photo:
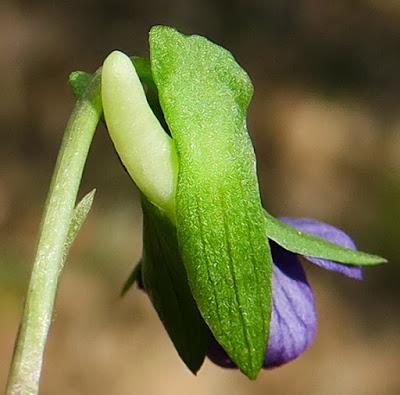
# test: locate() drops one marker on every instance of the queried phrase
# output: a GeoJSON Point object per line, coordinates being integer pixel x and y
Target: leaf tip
{"type": "Point", "coordinates": [132, 279]}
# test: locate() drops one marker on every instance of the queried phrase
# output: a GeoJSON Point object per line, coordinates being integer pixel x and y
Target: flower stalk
{"type": "Point", "coordinates": [55, 237]}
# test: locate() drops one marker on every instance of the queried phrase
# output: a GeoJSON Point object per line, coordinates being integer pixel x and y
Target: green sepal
{"type": "Point", "coordinates": [204, 95]}
{"type": "Point", "coordinates": [165, 281]}
{"type": "Point", "coordinates": [306, 244]}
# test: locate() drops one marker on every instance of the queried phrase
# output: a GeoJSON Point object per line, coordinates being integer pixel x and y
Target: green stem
{"type": "Point", "coordinates": [24, 375]}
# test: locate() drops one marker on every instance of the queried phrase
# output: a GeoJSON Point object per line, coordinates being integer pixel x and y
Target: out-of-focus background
{"type": "Point", "coordinates": [325, 121]}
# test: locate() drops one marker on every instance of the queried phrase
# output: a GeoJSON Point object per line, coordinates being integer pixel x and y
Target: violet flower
{"type": "Point", "coordinates": [206, 267]}
{"type": "Point", "coordinates": [293, 321]}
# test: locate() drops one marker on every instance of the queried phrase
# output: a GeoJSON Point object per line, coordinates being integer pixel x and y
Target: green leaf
{"type": "Point", "coordinates": [165, 280]}
{"type": "Point", "coordinates": [79, 216]}
{"type": "Point", "coordinates": [306, 244]}
{"type": "Point", "coordinates": [204, 94]}
{"type": "Point", "coordinates": [132, 279]}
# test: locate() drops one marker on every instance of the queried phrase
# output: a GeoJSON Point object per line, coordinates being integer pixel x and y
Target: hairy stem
{"type": "Point", "coordinates": [24, 375]}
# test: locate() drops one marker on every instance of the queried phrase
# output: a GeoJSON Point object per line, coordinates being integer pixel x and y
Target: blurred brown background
{"type": "Point", "coordinates": [325, 121]}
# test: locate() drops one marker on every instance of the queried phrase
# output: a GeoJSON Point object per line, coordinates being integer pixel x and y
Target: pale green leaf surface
{"type": "Point", "coordinates": [144, 147]}
{"type": "Point", "coordinates": [204, 95]}
{"type": "Point", "coordinates": [306, 244]}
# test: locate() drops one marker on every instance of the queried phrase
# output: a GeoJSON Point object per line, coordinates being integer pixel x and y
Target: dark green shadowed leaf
{"type": "Point", "coordinates": [166, 283]}
{"type": "Point", "coordinates": [143, 68]}
{"type": "Point", "coordinates": [204, 94]}
{"type": "Point", "coordinates": [132, 279]}
{"type": "Point", "coordinates": [305, 244]}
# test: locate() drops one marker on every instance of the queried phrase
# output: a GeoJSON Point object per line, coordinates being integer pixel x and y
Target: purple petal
{"type": "Point", "coordinates": [293, 320]}
{"type": "Point", "coordinates": [331, 234]}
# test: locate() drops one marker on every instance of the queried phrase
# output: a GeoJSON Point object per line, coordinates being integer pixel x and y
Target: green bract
{"type": "Point", "coordinates": [80, 213]}
{"type": "Point", "coordinates": [206, 261]}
